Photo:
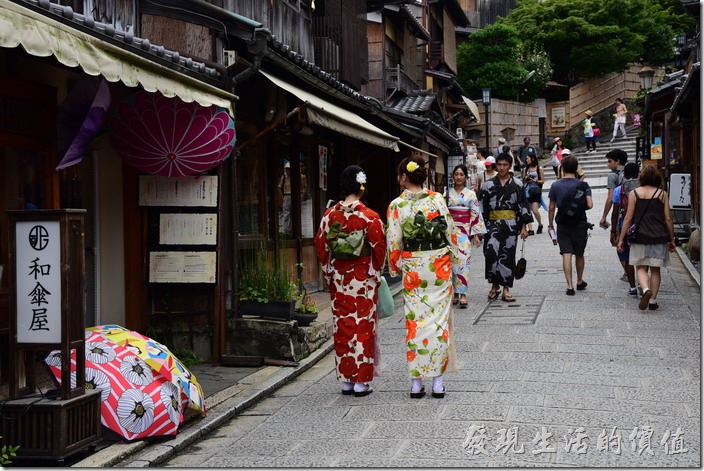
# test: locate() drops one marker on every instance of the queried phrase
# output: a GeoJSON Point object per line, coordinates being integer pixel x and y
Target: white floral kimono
{"type": "Point", "coordinates": [464, 209]}
{"type": "Point", "coordinates": [427, 284]}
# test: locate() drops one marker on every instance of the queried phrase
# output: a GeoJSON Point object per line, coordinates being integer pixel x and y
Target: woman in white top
{"type": "Point", "coordinates": [620, 119]}
{"type": "Point", "coordinates": [488, 173]}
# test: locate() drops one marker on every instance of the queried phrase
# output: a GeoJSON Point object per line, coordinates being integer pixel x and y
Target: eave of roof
{"type": "Point", "coordinates": [687, 88]}
{"type": "Point", "coordinates": [314, 77]}
{"type": "Point", "coordinates": [140, 46]}
{"type": "Point", "coordinates": [416, 26]}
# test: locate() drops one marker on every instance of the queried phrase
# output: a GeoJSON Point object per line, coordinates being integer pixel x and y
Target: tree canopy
{"type": "Point", "coordinates": [496, 58]}
{"type": "Point", "coordinates": [587, 38]}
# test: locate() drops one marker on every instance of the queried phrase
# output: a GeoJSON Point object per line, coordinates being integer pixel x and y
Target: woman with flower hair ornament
{"type": "Point", "coordinates": [352, 248]}
{"type": "Point", "coordinates": [422, 243]}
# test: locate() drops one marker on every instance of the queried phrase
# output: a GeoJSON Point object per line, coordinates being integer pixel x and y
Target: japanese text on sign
{"type": "Point", "coordinates": [38, 281]}
{"type": "Point", "coordinates": [640, 440]}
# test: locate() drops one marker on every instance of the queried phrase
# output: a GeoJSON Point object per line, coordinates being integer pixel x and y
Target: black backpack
{"type": "Point", "coordinates": [574, 206]}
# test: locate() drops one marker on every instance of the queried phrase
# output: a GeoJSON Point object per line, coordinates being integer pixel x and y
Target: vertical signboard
{"type": "Point", "coordinates": [38, 288]}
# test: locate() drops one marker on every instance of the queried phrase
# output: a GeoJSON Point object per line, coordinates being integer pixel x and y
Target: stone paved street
{"type": "Point", "coordinates": [575, 367]}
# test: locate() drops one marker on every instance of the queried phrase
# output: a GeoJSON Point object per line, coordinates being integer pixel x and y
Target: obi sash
{"type": "Point", "coordinates": [460, 214]}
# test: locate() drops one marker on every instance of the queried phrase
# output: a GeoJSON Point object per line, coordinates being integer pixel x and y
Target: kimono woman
{"type": "Point", "coordinates": [464, 209]}
{"type": "Point", "coordinates": [506, 213]}
{"type": "Point", "coordinates": [352, 248]}
{"type": "Point", "coordinates": [422, 247]}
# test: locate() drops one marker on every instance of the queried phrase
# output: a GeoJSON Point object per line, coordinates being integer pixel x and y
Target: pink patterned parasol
{"type": "Point", "coordinates": [169, 137]}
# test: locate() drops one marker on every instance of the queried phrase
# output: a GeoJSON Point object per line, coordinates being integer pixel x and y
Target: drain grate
{"type": "Point", "coordinates": [523, 312]}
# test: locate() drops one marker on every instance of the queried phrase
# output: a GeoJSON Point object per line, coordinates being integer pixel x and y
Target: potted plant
{"type": "Point", "coordinates": [267, 290]}
{"type": "Point", "coordinates": [306, 312]}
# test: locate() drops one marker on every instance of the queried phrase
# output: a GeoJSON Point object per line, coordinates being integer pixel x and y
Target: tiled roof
{"type": "Point", "coordinates": [416, 104]}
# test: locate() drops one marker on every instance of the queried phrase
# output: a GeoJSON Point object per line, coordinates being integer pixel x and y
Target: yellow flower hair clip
{"type": "Point", "coordinates": [412, 166]}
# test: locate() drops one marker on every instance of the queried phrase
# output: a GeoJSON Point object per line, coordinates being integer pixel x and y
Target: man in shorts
{"type": "Point", "coordinates": [573, 197]}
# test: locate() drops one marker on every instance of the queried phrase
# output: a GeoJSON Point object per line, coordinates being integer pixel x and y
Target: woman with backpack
{"type": "Point", "coordinates": [649, 209]}
{"type": "Point", "coordinates": [620, 201]}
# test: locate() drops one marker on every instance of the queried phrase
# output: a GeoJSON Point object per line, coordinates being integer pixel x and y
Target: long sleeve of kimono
{"type": "Point", "coordinates": [525, 214]}
{"type": "Point", "coordinates": [476, 220]}
{"type": "Point", "coordinates": [377, 239]}
{"type": "Point", "coordinates": [321, 245]}
{"type": "Point", "coordinates": [394, 238]}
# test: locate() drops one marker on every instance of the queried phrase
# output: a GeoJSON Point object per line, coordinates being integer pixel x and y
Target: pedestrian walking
{"type": "Point", "coordinates": [616, 159]}
{"type": "Point", "coordinates": [523, 153]}
{"type": "Point", "coordinates": [507, 215]}
{"type": "Point", "coordinates": [649, 208]}
{"type": "Point", "coordinates": [556, 154]}
{"type": "Point", "coordinates": [533, 178]}
{"type": "Point", "coordinates": [351, 246]}
{"type": "Point", "coordinates": [464, 208]}
{"type": "Point", "coordinates": [591, 132]}
{"type": "Point", "coordinates": [422, 245]}
{"type": "Point", "coordinates": [500, 147]}
{"type": "Point", "coordinates": [572, 198]}
{"type": "Point", "coordinates": [619, 119]}
{"type": "Point", "coordinates": [620, 206]}
{"type": "Point", "coordinates": [489, 172]}
{"type": "Point", "coordinates": [560, 172]}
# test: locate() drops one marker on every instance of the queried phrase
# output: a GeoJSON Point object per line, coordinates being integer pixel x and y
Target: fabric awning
{"type": "Point", "coordinates": [326, 114]}
{"type": "Point", "coordinates": [43, 36]}
{"type": "Point", "coordinates": [473, 108]}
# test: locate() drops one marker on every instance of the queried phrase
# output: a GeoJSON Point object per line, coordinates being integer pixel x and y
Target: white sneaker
{"type": "Point", "coordinates": [612, 139]}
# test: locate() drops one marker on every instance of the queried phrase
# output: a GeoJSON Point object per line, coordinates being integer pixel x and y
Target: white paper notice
{"type": "Point", "coordinates": [182, 267]}
{"type": "Point", "coordinates": [178, 191]}
{"type": "Point", "coordinates": [188, 229]}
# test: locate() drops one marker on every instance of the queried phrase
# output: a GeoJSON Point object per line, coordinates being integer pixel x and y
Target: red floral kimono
{"type": "Point", "coordinates": [353, 290]}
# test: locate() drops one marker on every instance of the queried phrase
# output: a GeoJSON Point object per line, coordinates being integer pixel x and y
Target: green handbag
{"type": "Point", "coordinates": [385, 302]}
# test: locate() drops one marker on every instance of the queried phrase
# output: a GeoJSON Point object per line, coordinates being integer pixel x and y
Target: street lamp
{"type": "Point", "coordinates": [646, 77]}
{"type": "Point", "coordinates": [486, 101]}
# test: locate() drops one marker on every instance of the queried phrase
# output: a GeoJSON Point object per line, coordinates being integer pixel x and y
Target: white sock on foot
{"type": "Point", "coordinates": [437, 383]}
{"type": "Point", "coordinates": [347, 386]}
{"type": "Point", "coordinates": [359, 387]}
{"type": "Point", "coordinates": [416, 385]}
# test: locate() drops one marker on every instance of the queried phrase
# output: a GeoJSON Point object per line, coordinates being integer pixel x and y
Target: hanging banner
{"type": "Point", "coordinates": [323, 167]}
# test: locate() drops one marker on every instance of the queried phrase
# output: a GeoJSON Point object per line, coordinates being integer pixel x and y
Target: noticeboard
{"type": "Point", "coordinates": [680, 189]}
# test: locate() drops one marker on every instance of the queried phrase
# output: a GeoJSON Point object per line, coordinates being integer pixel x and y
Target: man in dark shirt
{"type": "Point", "coordinates": [571, 228]}
{"type": "Point", "coordinates": [523, 153]}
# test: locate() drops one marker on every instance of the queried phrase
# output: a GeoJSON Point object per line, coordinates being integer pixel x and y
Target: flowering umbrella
{"type": "Point", "coordinates": [159, 358]}
{"type": "Point", "coordinates": [169, 137]}
{"type": "Point", "coordinates": [136, 402]}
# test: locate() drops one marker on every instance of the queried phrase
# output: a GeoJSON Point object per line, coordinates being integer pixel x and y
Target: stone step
{"type": "Point", "coordinates": [594, 163]}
